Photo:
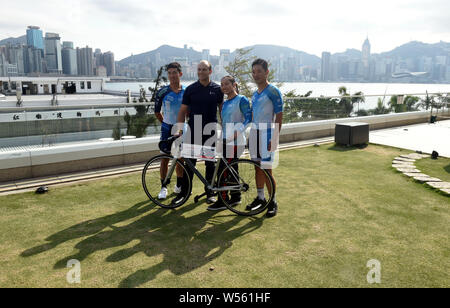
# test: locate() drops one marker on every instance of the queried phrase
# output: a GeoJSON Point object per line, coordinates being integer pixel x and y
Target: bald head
{"type": "Point", "coordinates": [204, 70]}
{"type": "Point", "coordinates": [204, 63]}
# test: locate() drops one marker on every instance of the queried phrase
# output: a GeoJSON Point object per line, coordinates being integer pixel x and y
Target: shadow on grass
{"type": "Point", "coordinates": [447, 168]}
{"type": "Point", "coordinates": [344, 148]}
{"type": "Point", "coordinates": [185, 242]}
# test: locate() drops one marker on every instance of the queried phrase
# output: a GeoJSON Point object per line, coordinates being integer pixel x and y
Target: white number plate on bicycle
{"type": "Point", "coordinates": [198, 152]}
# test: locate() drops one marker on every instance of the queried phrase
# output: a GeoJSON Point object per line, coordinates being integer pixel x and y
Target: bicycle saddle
{"type": "Point", "coordinates": [166, 145]}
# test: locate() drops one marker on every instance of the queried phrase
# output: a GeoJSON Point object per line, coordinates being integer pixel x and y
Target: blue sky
{"type": "Point", "coordinates": [136, 26]}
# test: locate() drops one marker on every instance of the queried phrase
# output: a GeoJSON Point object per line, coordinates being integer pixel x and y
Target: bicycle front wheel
{"type": "Point", "coordinates": [238, 190]}
{"type": "Point", "coordinates": [164, 168]}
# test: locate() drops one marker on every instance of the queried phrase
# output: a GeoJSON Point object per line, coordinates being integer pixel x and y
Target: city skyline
{"type": "Point", "coordinates": [60, 57]}
{"type": "Point", "coordinates": [36, 54]}
{"type": "Point", "coordinates": [140, 26]}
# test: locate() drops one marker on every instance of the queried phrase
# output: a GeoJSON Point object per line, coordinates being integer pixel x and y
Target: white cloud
{"type": "Point", "coordinates": [136, 26]}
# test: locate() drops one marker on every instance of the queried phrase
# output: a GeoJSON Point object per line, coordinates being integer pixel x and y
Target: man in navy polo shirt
{"type": "Point", "coordinates": [200, 101]}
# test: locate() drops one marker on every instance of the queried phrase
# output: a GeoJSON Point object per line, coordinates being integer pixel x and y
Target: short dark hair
{"type": "Point", "coordinates": [262, 62]}
{"type": "Point", "coordinates": [174, 65]}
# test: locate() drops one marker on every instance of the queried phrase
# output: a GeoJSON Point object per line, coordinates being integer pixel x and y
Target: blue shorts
{"type": "Point", "coordinates": [166, 133]}
{"type": "Point", "coordinates": [259, 140]}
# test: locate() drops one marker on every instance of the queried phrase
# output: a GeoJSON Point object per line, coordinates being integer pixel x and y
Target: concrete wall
{"type": "Point", "coordinates": [56, 160]}
{"type": "Point", "coordinates": [318, 129]}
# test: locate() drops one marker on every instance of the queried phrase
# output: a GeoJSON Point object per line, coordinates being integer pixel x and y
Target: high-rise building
{"type": "Point", "coordinates": [224, 61]}
{"type": "Point", "coordinates": [109, 63]}
{"type": "Point", "coordinates": [78, 51]}
{"type": "Point", "coordinates": [32, 60]}
{"type": "Point", "coordinates": [11, 70]}
{"type": "Point", "coordinates": [15, 58]}
{"type": "Point", "coordinates": [38, 60]}
{"type": "Point", "coordinates": [53, 53]}
{"type": "Point", "coordinates": [3, 64]}
{"type": "Point", "coordinates": [225, 56]}
{"type": "Point", "coordinates": [292, 72]}
{"type": "Point", "coordinates": [69, 61]}
{"type": "Point", "coordinates": [28, 59]}
{"type": "Point", "coordinates": [366, 58]}
{"type": "Point", "coordinates": [34, 37]}
{"type": "Point", "coordinates": [85, 61]}
{"type": "Point", "coordinates": [67, 45]}
{"type": "Point", "coordinates": [205, 54]}
{"type": "Point", "coordinates": [101, 71]}
{"type": "Point", "coordinates": [326, 66]}
{"type": "Point", "coordinates": [98, 58]}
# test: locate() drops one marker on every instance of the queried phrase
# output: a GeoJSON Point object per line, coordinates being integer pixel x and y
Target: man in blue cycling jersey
{"type": "Point", "coordinates": [267, 105]}
{"type": "Point", "coordinates": [169, 99]}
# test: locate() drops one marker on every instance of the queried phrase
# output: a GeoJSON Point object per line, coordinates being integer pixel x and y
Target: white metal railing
{"type": "Point", "coordinates": [33, 116]}
{"type": "Point", "coordinates": [74, 106]}
{"type": "Point", "coordinates": [120, 93]}
{"type": "Point", "coordinates": [371, 95]}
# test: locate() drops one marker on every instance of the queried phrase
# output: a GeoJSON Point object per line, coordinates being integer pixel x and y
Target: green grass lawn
{"type": "Point", "coordinates": [339, 208]}
{"type": "Point", "coordinates": [439, 168]}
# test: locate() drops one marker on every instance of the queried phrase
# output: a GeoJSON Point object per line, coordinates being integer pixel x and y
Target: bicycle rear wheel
{"type": "Point", "coordinates": [238, 187]}
{"type": "Point", "coordinates": [151, 181]}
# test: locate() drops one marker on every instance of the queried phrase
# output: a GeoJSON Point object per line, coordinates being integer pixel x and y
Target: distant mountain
{"type": "Point", "coordinates": [273, 51]}
{"type": "Point", "coordinates": [350, 53]}
{"type": "Point", "coordinates": [14, 40]}
{"type": "Point", "coordinates": [166, 52]}
{"type": "Point", "coordinates": [418, 49]}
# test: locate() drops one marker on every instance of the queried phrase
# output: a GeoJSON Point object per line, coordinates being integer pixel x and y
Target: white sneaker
{"type": "Point", "coordinates": [162, 194]}
{"type": "Point", "coordinates": [177, 190]}
{"type": "Point", "coordinates": [211, 199]}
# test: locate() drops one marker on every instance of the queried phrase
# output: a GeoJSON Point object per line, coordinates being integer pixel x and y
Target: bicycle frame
{"type": "Point", "coordinates": [209, 186]}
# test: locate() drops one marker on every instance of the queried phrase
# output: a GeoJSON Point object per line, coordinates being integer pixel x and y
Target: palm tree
{"type": "Point", "coordinates": [427, 102]}
{"type": "Point", "coordinates": [380, 109]}
{"type": "Point", "coordinates": [410, 103]}
{"type": "Point", "coordinates": [347, 103]}
{"type": "Point", "coordinates": [358, 98]}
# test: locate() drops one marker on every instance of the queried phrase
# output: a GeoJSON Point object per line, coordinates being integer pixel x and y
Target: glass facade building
{"type": "Point", "coordinates": [34, 37]}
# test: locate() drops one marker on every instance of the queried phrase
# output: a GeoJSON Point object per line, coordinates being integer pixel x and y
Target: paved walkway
{"type": "Point", "coordinates": [421, 137]}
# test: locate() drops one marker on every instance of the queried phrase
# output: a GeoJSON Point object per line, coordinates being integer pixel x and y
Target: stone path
{"type": "Point", "coordinates": [405, 165]}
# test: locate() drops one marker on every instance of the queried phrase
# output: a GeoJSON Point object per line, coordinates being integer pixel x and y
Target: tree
{"type": "Point", "coordinates": [442, 100]}
{"type": "Point", "coordinates": [304, 108]}
{"type": "Point", "coordinates": [410, 103]}
{"type": "Point", "coordinates": [380, 109]}
{"type": "Point", "coordinates": [358, 98]}
{"type": "Point", "coordinates": [241, 69]}
{"type": "Point", "coordinates": [363, 113]}
{"type": "Point", "coordinates": [116, 132]}
{"type": "Point", "coordinates": [427, 102]}
{"type": "Point", "coordinates": [347, 103]}
{"type": "Point", "coordinates": [294, 106]}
